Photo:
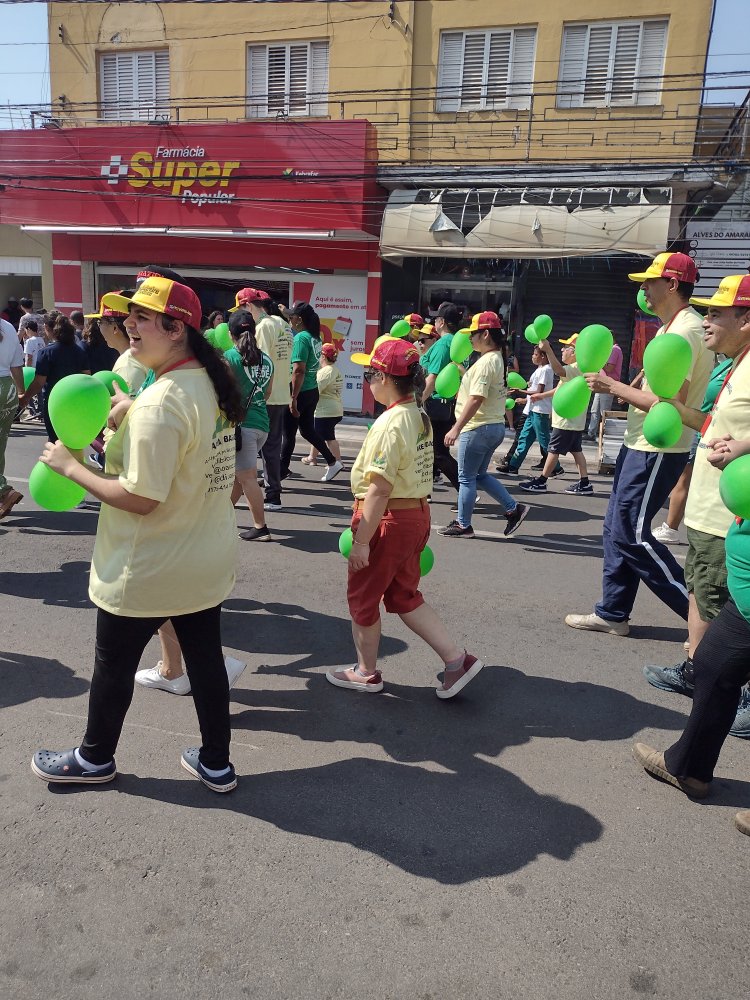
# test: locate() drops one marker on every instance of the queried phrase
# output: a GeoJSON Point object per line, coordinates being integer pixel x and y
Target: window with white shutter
{"type": "Point", "coordinates": [287, 79]}
{"type": "Point", "coordinates": [134, 86]}
{"type": "Point", "coordinates": [486, 70]}
{"type": "Point", "coordinates": [612, 63]}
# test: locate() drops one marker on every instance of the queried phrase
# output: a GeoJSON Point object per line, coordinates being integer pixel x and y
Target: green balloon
{"type": "Point", "coordinates": [346, 540]}
{"type": "Point", "coordinates": [593, 347]}
{"type": "Point", "coordinates": [531, 335]}
{"type": "Point", "coordinates": [210, 335]}
{"type": "Point", "coordinates": [110, 379]}
{"type": "Point", "coordinates": [401, 328]}
{"type": "Point", "coordinates": [426, 560]}
{"type": "Point", "coordinates": [460, 347]}
{"type": "Point", "coordinates": [78, 407]}
{"type": "Point", "coordinates": [448, 382]}
{"type": "Point", "coordinates": [662, 427]}
{"type": "Point", "coordinates": [223, 338]}
{"type": "Point", "coordinates": [666, 362]}
{"type": "Point", "coordinates": [543, 326]}
{"type": "Point", "coordinates": [642, 304]}
{"type": "Point", "coordinates": [571, 398]}
{"type": "Point", "coordinates": [53, 491]}
{"type": "Point", "coordinates": [734, 486]}
{"type": "Point", "coordinates": [29, 374]}
{"type": "Point", "coordinates": [516, 381]}
{"type": "Point", "coordinates": [509, 404]}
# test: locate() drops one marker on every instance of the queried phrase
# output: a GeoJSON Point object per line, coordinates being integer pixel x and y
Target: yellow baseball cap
{"type": "Point", "coordinates": [669, 265]}
{"type": "Point", "coordinates": [733, 291]}
{"type": "Point", "coordinates": [570, 341]}
{"type": "Point", "coordinates": [163, 296]}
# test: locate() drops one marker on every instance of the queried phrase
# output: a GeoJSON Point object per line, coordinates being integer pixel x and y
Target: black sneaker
{"type": "Point", "coordinates": [559, 471]}
{"type": "Point", "coordinates": [578, 487]}
{"type": "Point", "coordinates": [534, 486]}
{"type": "Point", "coordinates": [454, 530]}
{"type": "Point", "coordinates": [538, 467]}
{"type": "Point", "coordinates": [503, 467]}
{"type": "Point", "coordinates": [256, 534]}
{"type": "Point", "coordinates": [678, 679]}
{"type": "Point", "coordinates": [516, 518]}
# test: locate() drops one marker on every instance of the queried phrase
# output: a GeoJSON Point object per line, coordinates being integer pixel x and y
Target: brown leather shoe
{"type": "Point", "coordinates": [742, 822]}
{"type": "Point", "coordinates": [653, 761]}
{"type": "Point", "coordinates": [8, 500]}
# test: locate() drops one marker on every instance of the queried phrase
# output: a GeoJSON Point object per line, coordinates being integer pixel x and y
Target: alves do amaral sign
{"type": "Point", "coordinates": [280, 175]}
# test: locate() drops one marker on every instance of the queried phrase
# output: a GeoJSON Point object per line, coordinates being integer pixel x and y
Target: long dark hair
{"type": "Point", "coordinates": [413, 382]}
{"type": "Point", "coordinates": [63, 331]}
{"type": "Point", "coordinates": [242, 329]}
{"type": "Point", "coordinates": [93, 335]}
{"type": "Point", "coordinates": [309, 317]}
{"type": "Point", "coordinates": [225, 386]}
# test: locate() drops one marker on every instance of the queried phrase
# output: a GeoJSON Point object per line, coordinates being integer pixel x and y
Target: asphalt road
{"type": "Point", "coordinates": [500, 845]}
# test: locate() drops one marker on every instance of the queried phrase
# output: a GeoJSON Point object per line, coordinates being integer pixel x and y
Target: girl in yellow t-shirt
{"type": "Point", "coordinates": [391, 480]}
{"type": "Point", "coordinates": [166, 540]}
{"type": "Point", "coordinates": [330, 408]}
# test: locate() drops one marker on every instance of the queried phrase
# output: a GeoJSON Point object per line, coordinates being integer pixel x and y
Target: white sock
{"type": "Point", "coordinates": [215, 774]}
{"type": "Point", "coordinates": [87, 763]}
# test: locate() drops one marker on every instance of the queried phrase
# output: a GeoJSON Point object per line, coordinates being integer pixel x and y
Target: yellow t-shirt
{"type": "Point", "coordinates": [688, 324]}
{"type": "Point", "coordinates": [131, 370]}
{"type": "Point", "coordinates": [705, 510]}
{"type": "Point", "coordinates": [398, 448]}
{"type": "Point", "coordinates": [274, 337]}
{"type": "Point", "coordinates": [485, 378]}
{"type": "Point", "coordinates": [176, 447]}
{"type": "Point", "coordinates": [575, 423]}
{"type": "Point", "coordinates": [330, 384]}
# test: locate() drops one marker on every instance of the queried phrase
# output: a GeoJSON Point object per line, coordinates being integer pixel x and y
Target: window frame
{"type": "Point", "coordinates": [316, 102]}
{"type": "Point", "coordinates": [161, 108]}
{"type": "Point", "coordinates": [449, 94]}
{"type": "Point", "coordinates": [570, 99]}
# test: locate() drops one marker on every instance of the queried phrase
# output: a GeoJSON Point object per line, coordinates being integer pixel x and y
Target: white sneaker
{"type": "Point", "coordinates": [593, 623]}
{"type": "Point", "coordinates": [272, 506]}
{"type": "Point", "coordinates": [666, 534]}
{"type": "Point", "coordinates": [152, 678]}
{"type": "Point", "coordinates": [235, 669]}
{"type": "Point", "coordinates": [331, 472]}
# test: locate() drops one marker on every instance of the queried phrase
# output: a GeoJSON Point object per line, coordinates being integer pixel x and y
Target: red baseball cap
{"type": "Point", "coordinates": [488, 321]}
{"type": "Point", "coordinates": [163, 296]}
{"type": "Point", "coordinates": [393, 356]}
{"type": "Point", "coordinates": [105, 312]}
{"type": "Point", "coordinates": [414, 319]}
{"type": "Point", "coordinates": [669, 265]}
{"type": "Point", "coordinates": [247, 295]}
{"type": "Point", "coordinates": [733, 291]}
{"type": "Point", "coordinates": [329, 351]}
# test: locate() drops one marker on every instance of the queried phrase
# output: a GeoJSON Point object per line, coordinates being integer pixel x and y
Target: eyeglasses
{"type": "Point", "coordinates": [369, 375]}
{"type": "Point", "coordinates": [423, 340]}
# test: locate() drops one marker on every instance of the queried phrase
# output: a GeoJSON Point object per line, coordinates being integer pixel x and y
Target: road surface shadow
{"type": "Point", "coordinates": [66, 587]}
{"type": "Point", "coordinates": [25, 678]}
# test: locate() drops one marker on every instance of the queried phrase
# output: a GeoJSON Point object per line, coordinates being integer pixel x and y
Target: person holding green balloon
{"type": "Point", "coordinates": [391, 481]}
{"type": "Point", "coordinates": [63, 357]}
{"type": "Point", "coordinates": [645, 473]}
{"type": "Point", "coordinates": [166, 537]}
{"type": "Point", "coordinates": [11, 390]}
{"type": "Point", "coordinates": [479, 429]}
{"type": "Point", "coordinates": [440, 409]}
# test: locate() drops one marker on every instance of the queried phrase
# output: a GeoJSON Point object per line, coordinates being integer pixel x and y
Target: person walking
{"type": "Point", "coordinates": [330, 409]}
{"type": "Point", "coordinates": [63, 357]}
{"type": "Point", "coordinates": [535, 423]}
{"type": "Point", "coordinates": [11, 389]}
{"type": "Point", "coordinates": [391, 481]}
{"type": "Point", "coordinates": [300, 415]}
{"type": "Point", "coordinates": [479, 429]}
{"type": "Point", "coordinates": [441, 411]}
{"type": "Point", "coordinates": [166, 537]}
{"type": "Point", "coordinates": [644, 474]}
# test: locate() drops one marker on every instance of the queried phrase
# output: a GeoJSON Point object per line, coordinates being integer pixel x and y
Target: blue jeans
{"type": "Point", "coordinates": [475, 451]}
{"type": "Point", "coordinates": [536, 428]}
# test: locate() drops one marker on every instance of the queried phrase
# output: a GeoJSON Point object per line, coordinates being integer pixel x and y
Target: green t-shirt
{"type": "Point", "coordinates": [307, 350]}
{"type": "Point", "coordinates": [253, 383]}
{"type": "Point", "coordinates": [738, 566]}
{"type": "Point", "coordinates": [714, 385]}
{"type": "Point", "coordinates": [437, 357]}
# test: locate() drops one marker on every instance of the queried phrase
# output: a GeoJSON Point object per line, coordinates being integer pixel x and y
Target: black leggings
{"type": "Point", "coordinates": [306, 403]}
{"type": "Point", "coordinates": [721, 665]}
{"type": "Point", "coordinates": [443, 460]}
{"type": "Point", "coordinates": [120, 643]}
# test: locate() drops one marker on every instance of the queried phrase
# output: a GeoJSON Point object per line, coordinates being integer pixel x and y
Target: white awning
{"type": "Point", "coordinates": [558, 222]}
{"type": "Point", "coordinates": [24, 266]}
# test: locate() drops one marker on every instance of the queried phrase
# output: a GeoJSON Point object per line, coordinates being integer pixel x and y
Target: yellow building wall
{"type": "Point", "coordinates": [386, 70]}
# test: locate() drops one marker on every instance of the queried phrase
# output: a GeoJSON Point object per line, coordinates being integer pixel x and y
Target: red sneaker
{"type": "Point", "coordinates": [355, 680]}
{"type": "Point", "coordinates": [456, 680]}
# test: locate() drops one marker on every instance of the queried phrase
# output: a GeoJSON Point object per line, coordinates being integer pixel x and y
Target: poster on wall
{"type": "Point", "coordinates": [341, 303]}
{"type": "Point", "coordinates": [719, 248]}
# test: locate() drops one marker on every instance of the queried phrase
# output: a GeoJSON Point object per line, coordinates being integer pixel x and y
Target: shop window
{"type": "Point", "coordinates": [287, 79]}
{"type": "Point", "coordinates": [134, 86]}
{"type": "Point", "coordinates": [486, 70]}
{"type": "Point", "coordinates": [612, 63]}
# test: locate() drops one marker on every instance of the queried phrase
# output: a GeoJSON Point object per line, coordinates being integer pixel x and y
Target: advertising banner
{"type": "Point", "coordinates": [719, 249]}
{"type": "Point", "coordinates": [341, 303]}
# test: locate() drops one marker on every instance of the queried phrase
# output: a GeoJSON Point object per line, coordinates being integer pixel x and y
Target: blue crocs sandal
{"type": "Point", "coordinates": [61, 766]}
{"type": "Point", "coordinates": [225, 783]}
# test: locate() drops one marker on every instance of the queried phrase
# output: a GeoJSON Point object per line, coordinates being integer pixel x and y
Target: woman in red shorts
{"type": "Point", "coordinates": [391, 480]}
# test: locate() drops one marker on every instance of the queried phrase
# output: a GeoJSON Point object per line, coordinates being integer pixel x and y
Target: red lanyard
{"type": "Point", "coordinates": [732, 370]}
{"type": "Point", "coordinates": [177, 364]}
{"type": "Point", "coordinates": [666, 328]}
{"type": "Point", "coordinates": [404, 399]}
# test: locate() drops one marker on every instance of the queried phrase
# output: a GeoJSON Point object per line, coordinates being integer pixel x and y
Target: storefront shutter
{"type": "Point", "coordinates": [627, 44]}
{"type": "Point", "coordinates": [257, 81]}
{"type": "Point", "coordinates": [651, 63]}
{"type": "Point", "coordinates": [449, 71]}
{"type": "Point", "coordinates": [521, 73]}
{"type": "Point", "coordinates": [472, 82]}
{"type": "Point", "coordinates": [597, 64]}
{"type": "Point", "coordinates": [573, 66]}
{"type": "Point", "coordinates": [318, 90]}
{"type": "Point", "coordinates": [277, 79]}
